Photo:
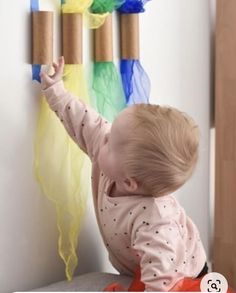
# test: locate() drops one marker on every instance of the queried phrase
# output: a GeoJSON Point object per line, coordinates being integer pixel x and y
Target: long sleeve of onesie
{"type": "Point", "coordinates": [160, 265]}
{"type": "Point", "coordinates": [84, 125]}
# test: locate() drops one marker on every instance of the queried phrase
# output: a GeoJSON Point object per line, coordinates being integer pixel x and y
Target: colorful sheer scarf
{"type": "Point", "coordinates": [133, 6]}
{"type": "Point", "coordinates": [107, 86]}
{"type": "Point", "coordinates": [61, 168]}
{"type": "Point", "coordinates": [109, 97]}
{"type": "Point", "coordinates": [92, 20]}
{"type": "Point", "coordinates": [136, 83]}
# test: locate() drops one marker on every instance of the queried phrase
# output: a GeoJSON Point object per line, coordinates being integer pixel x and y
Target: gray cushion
{"type": "Point", "coordinates": [90, 282]}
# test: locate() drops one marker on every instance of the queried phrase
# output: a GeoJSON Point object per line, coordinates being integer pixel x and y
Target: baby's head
{"type": "Point", "coordinates": [151, 149]}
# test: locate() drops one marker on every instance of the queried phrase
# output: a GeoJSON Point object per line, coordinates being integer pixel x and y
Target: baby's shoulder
{"type": "Point", "coordinates": [154, 211]}
{"type": "Point", "coordinates": [167, 206]}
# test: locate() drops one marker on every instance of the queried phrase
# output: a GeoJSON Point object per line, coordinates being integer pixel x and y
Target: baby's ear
{"type": "Point", "coordinates": [130, 184]}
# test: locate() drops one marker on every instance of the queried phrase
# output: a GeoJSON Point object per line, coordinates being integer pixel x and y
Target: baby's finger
{"type": "Point", "coordinates": [45, 77]}
{"type": "Point", "coordinates": [61, 63]}
{"type": "Point", "coordinates": [55, 65]}
{"type": "Point", "coordinates": [59, 71]}
{"type": "Point", "coordinates": [61, 60]}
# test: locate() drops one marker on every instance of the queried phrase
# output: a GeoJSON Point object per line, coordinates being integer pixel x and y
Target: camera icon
{"type": "Point", "coordinates": [214, 282]}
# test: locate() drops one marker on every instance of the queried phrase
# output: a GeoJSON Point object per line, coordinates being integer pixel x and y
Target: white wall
{"type": "Point", "coordinates": [175, 51]}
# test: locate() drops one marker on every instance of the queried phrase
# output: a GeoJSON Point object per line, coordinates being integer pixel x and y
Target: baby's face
{"type": "Point", "coordinates": [110, 155]}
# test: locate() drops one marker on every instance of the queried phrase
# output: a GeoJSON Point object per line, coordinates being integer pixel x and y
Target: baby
{"type": "Point", "coordinates": [138, 161]}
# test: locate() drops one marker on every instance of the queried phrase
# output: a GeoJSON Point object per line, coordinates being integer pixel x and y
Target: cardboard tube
{"type": "Point", "coordinates": [129, 36]}
{"type": "Point", "coordinates": [42, 37]}
{"type": "Point", "coordinates": [103, 45]}
{"type": "Point", "coordinates": [72, 34]}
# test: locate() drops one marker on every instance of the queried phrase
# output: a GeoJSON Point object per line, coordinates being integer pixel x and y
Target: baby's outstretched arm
{"type": "Point", "coordinates": [84, 125]}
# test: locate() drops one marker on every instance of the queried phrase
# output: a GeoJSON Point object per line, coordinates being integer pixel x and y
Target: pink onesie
{"type": "Point", "coordinates": [153, 233]}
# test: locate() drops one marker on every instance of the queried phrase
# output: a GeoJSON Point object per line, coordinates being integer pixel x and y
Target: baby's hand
{"type": "Point", "coordinates": [48, 80]}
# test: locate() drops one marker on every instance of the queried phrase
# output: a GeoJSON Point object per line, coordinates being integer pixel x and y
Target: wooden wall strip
{"type": "Point", "coordinates": [224, 245]}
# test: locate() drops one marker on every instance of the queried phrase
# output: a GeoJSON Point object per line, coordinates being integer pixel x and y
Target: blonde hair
{"type": "Point", "coordinates": [162, 151]}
